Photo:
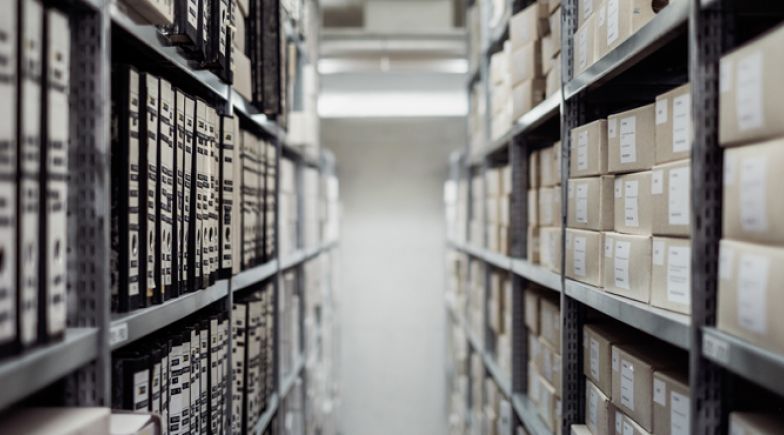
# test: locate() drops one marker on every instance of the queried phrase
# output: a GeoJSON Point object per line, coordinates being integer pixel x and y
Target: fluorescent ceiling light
{"type": "Point", "coordinates": [389, 64]}
{"type": "Point", "coordinates": [392, 104]}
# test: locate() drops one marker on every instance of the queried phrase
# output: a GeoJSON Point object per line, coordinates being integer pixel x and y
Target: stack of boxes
{"type": "Point", "coordinates": [475, 316]}
{"type": "Point", "coordinates": [476, 119]}
{"type": "Point", "coordinates": [634, 385]}
{"type": "Point", "coordinates": [543, 320]}
{"type": "Point", "coordinates": [310, 207]}
{"type": "Point", "coordinates": [498, 182]}
{"type": "Point", "coordinates": [288, 214]}
{"type": "Point", "coordinates": [500, 92]}
{"type": "Point", "coordinates": [499, 313]}
{"type": "Point", "coordinates": [751, 257]}
{"type": "Point", "coordinates": [497, 410]}
{"type": "Point", "coordinates": [544, 207]}
{"type": "Point", "coordinates": [476, 223]}
{"type": "Point", "coordinates": [551, 50]}
{"type": "Point", "coordinates": [458, 397]}
{"type": "Point", "coordinates": [530, 52]}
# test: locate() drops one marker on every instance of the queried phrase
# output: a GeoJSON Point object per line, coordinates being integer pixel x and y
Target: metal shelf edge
{"type": "Point", "coordinates": [537, 274]}
{"type": "Point", "coordinates": [266, 417]}
{"type": "Point", "coordinates": [671, 327]}
{"type": "Point", "coordinates": [22, 375]}
{"type": "Point", "coordinates": [253, 275]}
{"type": "Point", "coordinates": [288, 382]}
{"type": "Point", "coordinates": [249, 111]}
{"type": "Point", "coordinates": [527, 413]}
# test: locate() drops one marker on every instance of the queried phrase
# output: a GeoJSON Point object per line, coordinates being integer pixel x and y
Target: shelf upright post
{"type": "Point", "coordinates": [711, 31]}
{"type": "Point", "coordinates": [276, 288]}
{"type": "Point", "coordinates": [518, 161]}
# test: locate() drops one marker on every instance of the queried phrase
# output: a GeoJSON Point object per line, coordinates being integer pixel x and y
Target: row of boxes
{"type": "Point", "coordinates": [544, 207]}
{"type": "Point", "coordinates": [499, 318]}
{"type": "Point", "coordinates": [498, 185]}
{"type": "Point", "coordinates": [543, 321]}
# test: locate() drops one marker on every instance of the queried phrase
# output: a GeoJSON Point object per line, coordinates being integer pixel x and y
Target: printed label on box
{"type": "Point", "coordinates": [629, 139]}
{"type": "Point", "coordinates": [659, 392]}
{"type": "Point", "coordinates": [614, 359]}
{"type": "Point", "coordinates": [726, 260]}
{"type": "Point", "coordinates": [593, 410]}
{"type": "Point", "coordinates": [587, 8]}
{"type": "Point", "coordinates": [679, 275]}
{"type": "Point", "coordinates": [658, 252]}
{"type": "Point", "coordinates": [582, 49]}
{"type": "Point", "coordinates": [595, 360]}
{"type": "Point", "coordinates": [753, 209]}
{"type": "Point", "coordinates": [618, 421]}
{"type": "Point", "coordinates": [748, 96]}
{"type": "Point", "coordinates": [579, 256]}
{"type": "Point", "coordinates": [661, 110]}
{"type": "Point", "coordinates": [582, 150]}
{"type": "Point", "coordinates": [581, 208]}
{"type": "Point", "coordinates": [752, 292]}
{"type": "Point", "coordinates": [725, 76]}
{"type": "Point", "coordinates": [621, 265]}
{"type": "Point", "coordinates": [627, 384]}
{"type": "Point", "coordinates": [608, 247]}
{"type": "Point", "coordinates": [681, 117]}
{"type": "Point", "coordinates": [679, 196]}
{"type": "Point", "coordinates": [613, 21]}
{"type": "Point", "coordinates": [657, 182]}
{"type": "Point", "coordinates": [679, 414]}
{"type": "Point", "coordinates": [631, 211]}
{"type": "Point", "coordinates": [627, 428]}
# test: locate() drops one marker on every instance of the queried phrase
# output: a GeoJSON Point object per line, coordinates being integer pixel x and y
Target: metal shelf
{"type": "Point", "coordinates": [288, 382]}
{"type": "Point", "coordinates": [671, 327]}
{"type": "Point", "coordinates": [24, 374]}
{"type": "Point", "coordinates": [266, 417]}
{"type": "Point", "coordinates": [251, 113]}
{"type": "Point", "coordinates": [758, 365]}
{"type": "Point", "coordinates": [304, 254]}
{"type": "Point", "coordinates": [253, 275]}
{"type": "Point", "coordinates": [149, 37]}
{"type": "Point", "coordinates": [660, 30]}
{"type": "Point", "coordinates": [128, 327]}
{"type": "Point", "coordinates": [537, 274]}
{"type": "Point", "coordinates": [526, 411]}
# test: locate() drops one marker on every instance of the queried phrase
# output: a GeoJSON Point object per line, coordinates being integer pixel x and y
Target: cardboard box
{"type": "Point", "coordinates": [549, 364]}
{"type": "Point", "coordinates": [549, 206]}
{"type": "Point", "coordinates": [506, 180]}
{"type": "Point", "coordinates": [534, 178]}
{"type": "Point", "coordinates": [526, 95]}
{"type": "Point", "coordinates": [584, 256]}
{"type": "Point", "coordinates": [56, 421]}
{"type": "Point", "coordinates": [580, 429]}
{"type": "Point", "coordinates": [242, 75]}
{"type": "Point", "coordinates": [673, 125]}
{"type": "Point", "coordinates": [753, 210]}
{"type": "Point", "coordinates": [751, 95]}
{"type": "Point", "coordinates": [493, 182]}
{"type": "Point", "coordinates": [624, 425]}
{"type": "Point", "coordinates": [671, 192]}
{"type": "Point", "coordinates": [598, 411]}
{"type": "Point", "coordinates": [526, 63]}
{"type": "Point", "coordinates": [550, 248]}
{"type": "Point", "coordinates": [626, 17]}
{"type": "Point", "coordinates": [671, 403]}
{"type": "Point", "coordinates": [547, 400]}
{"type": "Point", "coordinates": [591, 203]}
{"type": "Point", "coordinates": [549, 161]}
{"type": "Point", "coordinates": [598, 340]}
{"type": "Point", "coordinates": [600, 47]}
{"type": "Point", "coordinates": [589, 149]}
{"type": "Point", "coordinates": [555, 28]}
{"type": "Point", "coordinates": [534, 351]}
{"type": "Point", "coordinates": [584, 46]}
{"type": "Point", "coordinates": [755, 423]}
{"type": "Point", "coordinates": [627, 266]}
{"type": "Point", "coordinates": [531, 300]}
{"type": "Point", "coordinates": [532, 246]}
{"type": "Point", "coordinates": [553, 80]}
{"type": "Point", "coordinates": [631, 143]}
{"type": "Point", "coordinates": [528, 25]}
{"type": "Point", "coordinates": [547, 54]}
{"type": "Point", "coordinates": [750, 277]}
{"type": "Point", "coordinates": [553, 5]}
{"type": "Point", "coordinates": [499, 67]}
{"type": "Point", "coordinates": [632, 378]}
{"type": "Point", "coordinates": [584, 10]}
{"type": "Point", "coordinates": [504, 202]}
{"type": "Point", "coordinates": [671, 274]}
{"type": "Point", "coordinates": [633, 203]}
{"type": "Point", "coordinates": [533, 384]}
{"type": "Point", "coordinates": [550, 318]}
{"type": "Point", "coordinates": [533, 207]}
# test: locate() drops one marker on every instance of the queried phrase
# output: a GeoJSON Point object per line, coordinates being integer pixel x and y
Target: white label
{"type": "Point", "coordinates": [725, 76]}
{"type": "Point", "coordinates": [627, 384]}
{"type": "Point", "coordinates": [618, 188]}
{"type": "Point", "coordinates": [621, 265]}
{"type": "Point", "coordinates": [679, 275]}
{"type": "Point", "coordinates": [657, 182]}
{"type": "Point", "coordinates": [627, 428]}
{"type": "Point", "coordinates": [748, 96]}
{"type": "Point", "coordinates": [630, 209]}
{"type": "Point", "coordinates": [608, 247]}
{"type": "Point", "coordinates": [681, 122]}
{"type": "Point", "coordinates": [582, 150]}
{"type": "Point", "coordinates": [661, 110]}
{"type": "Point", "coordinates": [595, 360]}
{"type": "Point", "coordinates": [612, 127]}
{"type": "Point", "coordinates": [658, 252]}
{"type": "Point", "coordinates": [729, 170]}
{"type": "Point", "coordinates": [679, 414]}
{"type": "Point", "coordinates": [726, 260]}
{"type": "Point", "coordinates": [579, 256]}
{"type": "Point", "coordinates": [629, 139]}
{"type": "Point", "coordinates": [679, 196]}
{"type": "Point", "coordinates": [193, 10]}
{"type": "Point", "coordinates": [593, 409]}
{"type": "Point", "coordinates": [587, 8]}
{"type": "Point", "coordinates": [716, 348]}
{"type": "Point", "coordinates": [659, 392]}
{"type": "Point", "coordinates": [582, 49]}
{"type": "Point", "coordinates": [118, 334]}
{"type": "Point", "coordinates": [752, 292]}
{"type": "Point", "coordinates": [602, 14]}
{"type": "Point", "coordinates": [615, 360]}
{"type": "Point", "coordinates": [581, 208]}
{"type": "Point", "coordinates": [141, 390]}
{"type": "Point", "coordinates": [618, 421]}
{"type": "Point", "coordinates": [753, 210]}
{"type": "Point", "coordinates": [613, 20]}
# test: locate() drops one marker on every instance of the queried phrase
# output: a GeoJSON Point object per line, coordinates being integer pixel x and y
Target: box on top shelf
{"type": "Point", "coordinates": [591, 203]}
{"type": "Point", "coordinates": [589, 145]}
{"type": "Point", "coordinates": [584, 10]}
{"type": "Point", "coordinates": [533, 170]}
{"type": "Point", "coordinates": [671, 192]}
{"type": "Point", "coordinates": [633, 203]}
{"type": "Point", "coordinates": [750, 277]}
{"type": "Point", "coordinates": [529, 24]}
{"type": "Point", "coordinates": [532, 244]}
{"type": "Point", "coordinates": [626, 17]}
{"type": "Point", "coordinates": [598, 409]}
{"type": "Point", "coordinates": [584, 256]}
{"type": "Point", "coordinates": [525, 63]}
{"type": "Point", "coordinates": [751, 95]}
{"type": "Point", "coordinates": [553, 80]}
{"type": "Point", "coordinates": [550, 165]}
{"type": "Point", "coordinates": [671, 402]}
{"type": "Point", "coordinates": [755, 423]}
{"type": "Point", "coordinates": [631, 140]}
{"type": "Point", "coordinates": [550, 248]}
{"type": "Point", "coordinates": [555, 28]}
{"type": "Point", "coordinates": [627, 266]}
{"type": "Point", "coordinates": [753, 210]}
{"type": "Point", "coordinates": [671, 274]}
{"type": "Point", "coordinates": [673, 125]}
{"type": "Point", "coordinates": [533, 207]}
{"type": "Point", "coordinates": [600, 45]}
{"type": "Point", "coordinates": [584, 52]}
{"type": "Point", "coordinates": [526, 95]}
{"type": "Point", "coordinates": [532, 298]}
{"type": "Point", "coordinates": [598, 340]}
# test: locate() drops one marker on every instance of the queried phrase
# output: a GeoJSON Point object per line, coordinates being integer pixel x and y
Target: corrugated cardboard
{"type": "Point", "coordinates": [671, 192]}
{"type": "Point", "coordinates": [534, 178]}
{"type": "Point", "coordinates": [549, 165]}
{"type": "Point", "coordinates": [671, 403]}
{"type": "Point", "coordinates": [584, 256]}
{"type": "Point", "coordinates": [549, 364]}
{"type": "Point", "coordinates": [553, 80]}
{"type": "Point", "coordinates": [671, 274]}
{"type": "Point", "coordinates": [579, 429]}
{"type": "Point", "coordinates": [585, 9]}
{"type": "Point", "coordinates": [547, 403]}
{"type": "Point", "coordinates": [526, 95]}
{"type": "Point", "coordinates": [550, 318]}
{"type": "Point", "coordinates": [750, 279]}
{"type": "Point", "coordinates": [532, 310]}
{"type": "Point", "coordinates": [631, 143]}
{"type": "Point", "coordinates": [533, 207]}
{"type": "Point", "coordinates": [751, 97]}
{"type": "Point", "coordinates": [526, 63]}
{"type": "Point", "coordinates": [598, 410]}
{"type": "Point", "coordinates": [633, 204]}
{"type": "Point", "coordinates": [529, 24]}
{"type": "Point", "coordinates": [589, 149]}
{"type": "Point", "coordinates": [555, 27]}
{"type": "Point", "coordinates": [755, 423]}
{"type": "Point", "coordinates": [550, 248]}
{"type": "Point", "coordinates": [627, 266]}
{"type": "Point", "coordinates": [626, 17]}
{"type": "Point", "coordinates": [584, 46]}
{"type": "Point", "coordinates": [591, 203]}
{"type": "Point", "coordinates": [753, 210]}
{"type": "Point", "coordinates": [598, 340]}
{"type": "Point", "coordinates": [624, 425]}
{"type": "Point", "coordinates": [673, 125]}
{"type": "Point", "coordinates": [549, 206]}
{"type": "Point", "coordinates": [600, 47]}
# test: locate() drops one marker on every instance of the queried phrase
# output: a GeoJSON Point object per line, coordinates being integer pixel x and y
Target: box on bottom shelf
{"type": "Point", "coordinates": [671, 403]}
{"type": "Point", "coordinates": [627, 266]}
{"type": "Point", "coordinates": [671, 274]}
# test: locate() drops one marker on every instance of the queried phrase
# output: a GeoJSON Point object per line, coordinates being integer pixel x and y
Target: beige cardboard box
{"type": "Point", "coordinates": [557, 162]}
{"type": "Point", "coordinates": [591, 203]}
{"type": "Point", "coordinates": [553, 80]}
{"type": "Point", "coordinates": [549, 159]}
{"type": "Point", "coordinates": [550, 317]}
{"type": "Point", "coordinates": [627, 266]}
{"type": "Point", "coordinates": [633, 203]}
{"type": "Point", "coordinates": [598, 340]}
{"type": "Point", "coordinates": [550, 248]}
{"type": "Point", "coordinates": [499, 67]}
{"type": "Point", "coordinates": [493, 182]}
{"type": "Point", "coordinates": [529, 24]}
{"type": "Point", "coordinates": [589, 149]}
{"type": "Point", "coordinates": [584, 46]}
{"type": "Point", "coordinates": [493, 210]}
{"type": "Point", "coordinates": [751, 97]}
{"type": "Point", "coordinates": [504, 202]}
{"type": "Point", "coordinates": [492, 237]}
{"type": "Point", "coordinates": [533, 384]}
{"type": "Point", "coordinates": [534, 351]}
{"type": "Point", "coordinates": [748, 423]}
{"type": "Point", "coordinates": [555, 28]}
{"type": "Point", "coordinates": [585, 9]}
{"type": "Point", "coordinates": [547, 54]}
{"type": "Point", "coordinates": [526, 62]}
{"type": "Point", "coordinates": [549, 206]}
{"type": "Point", "coordinates": [671, 403]}
{"type": "Point", "coordinates": [598, 411]}
{"type": "Point", "coordinates": [750, 300]}
{"type": "Point", "coordinates": [547, 403]}
{"type": "Point", "coordinates": [534, 178]}
{"type": "Point", "coordinates": [600, 47]}
{"type": "Point", "coordinates": [631, 143]}
{"type": "Point", "coordinates": [533, 207]}
{"type": "Point", "coordinates": [552, 6]}
{"type": "Point", "coordinates": [532, 246]}
{"type": "Point", "coordinates": [632, 378]}
{"type": "Point", "coordinates": [671, 274]}
{"type": "Point", "coordinates": [531, 297]}
{"type": "Point", "coordinates": [624, 425]}
{"type": "Point", "coordinates": [526, 95]}
{"type": "Point", "coordinates": [580, 429]}
{"type": "Point", "coordinates": [671, 192]}
{"type": "Point", "coordinates": [550, 364]}
{"type": "Point", "coordinates": [503, 239]}
{"type": "Point", "coordinates": [673, 125]}
{"type": "Point", "coordinates": [626, 17]}
{"type": "Point", "coordinates": [584, 256]}
{"type": "Point", "coordinates": [753, 210]}
{"type": "Point", "coordinates": [242, 75]}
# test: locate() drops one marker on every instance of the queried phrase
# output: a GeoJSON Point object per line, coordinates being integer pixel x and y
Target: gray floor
{"type": "Point", "coordinates": [391, 272]}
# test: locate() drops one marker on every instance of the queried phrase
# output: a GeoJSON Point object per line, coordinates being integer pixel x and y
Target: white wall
{"type": "Point", "coordinates": [392, 316]}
